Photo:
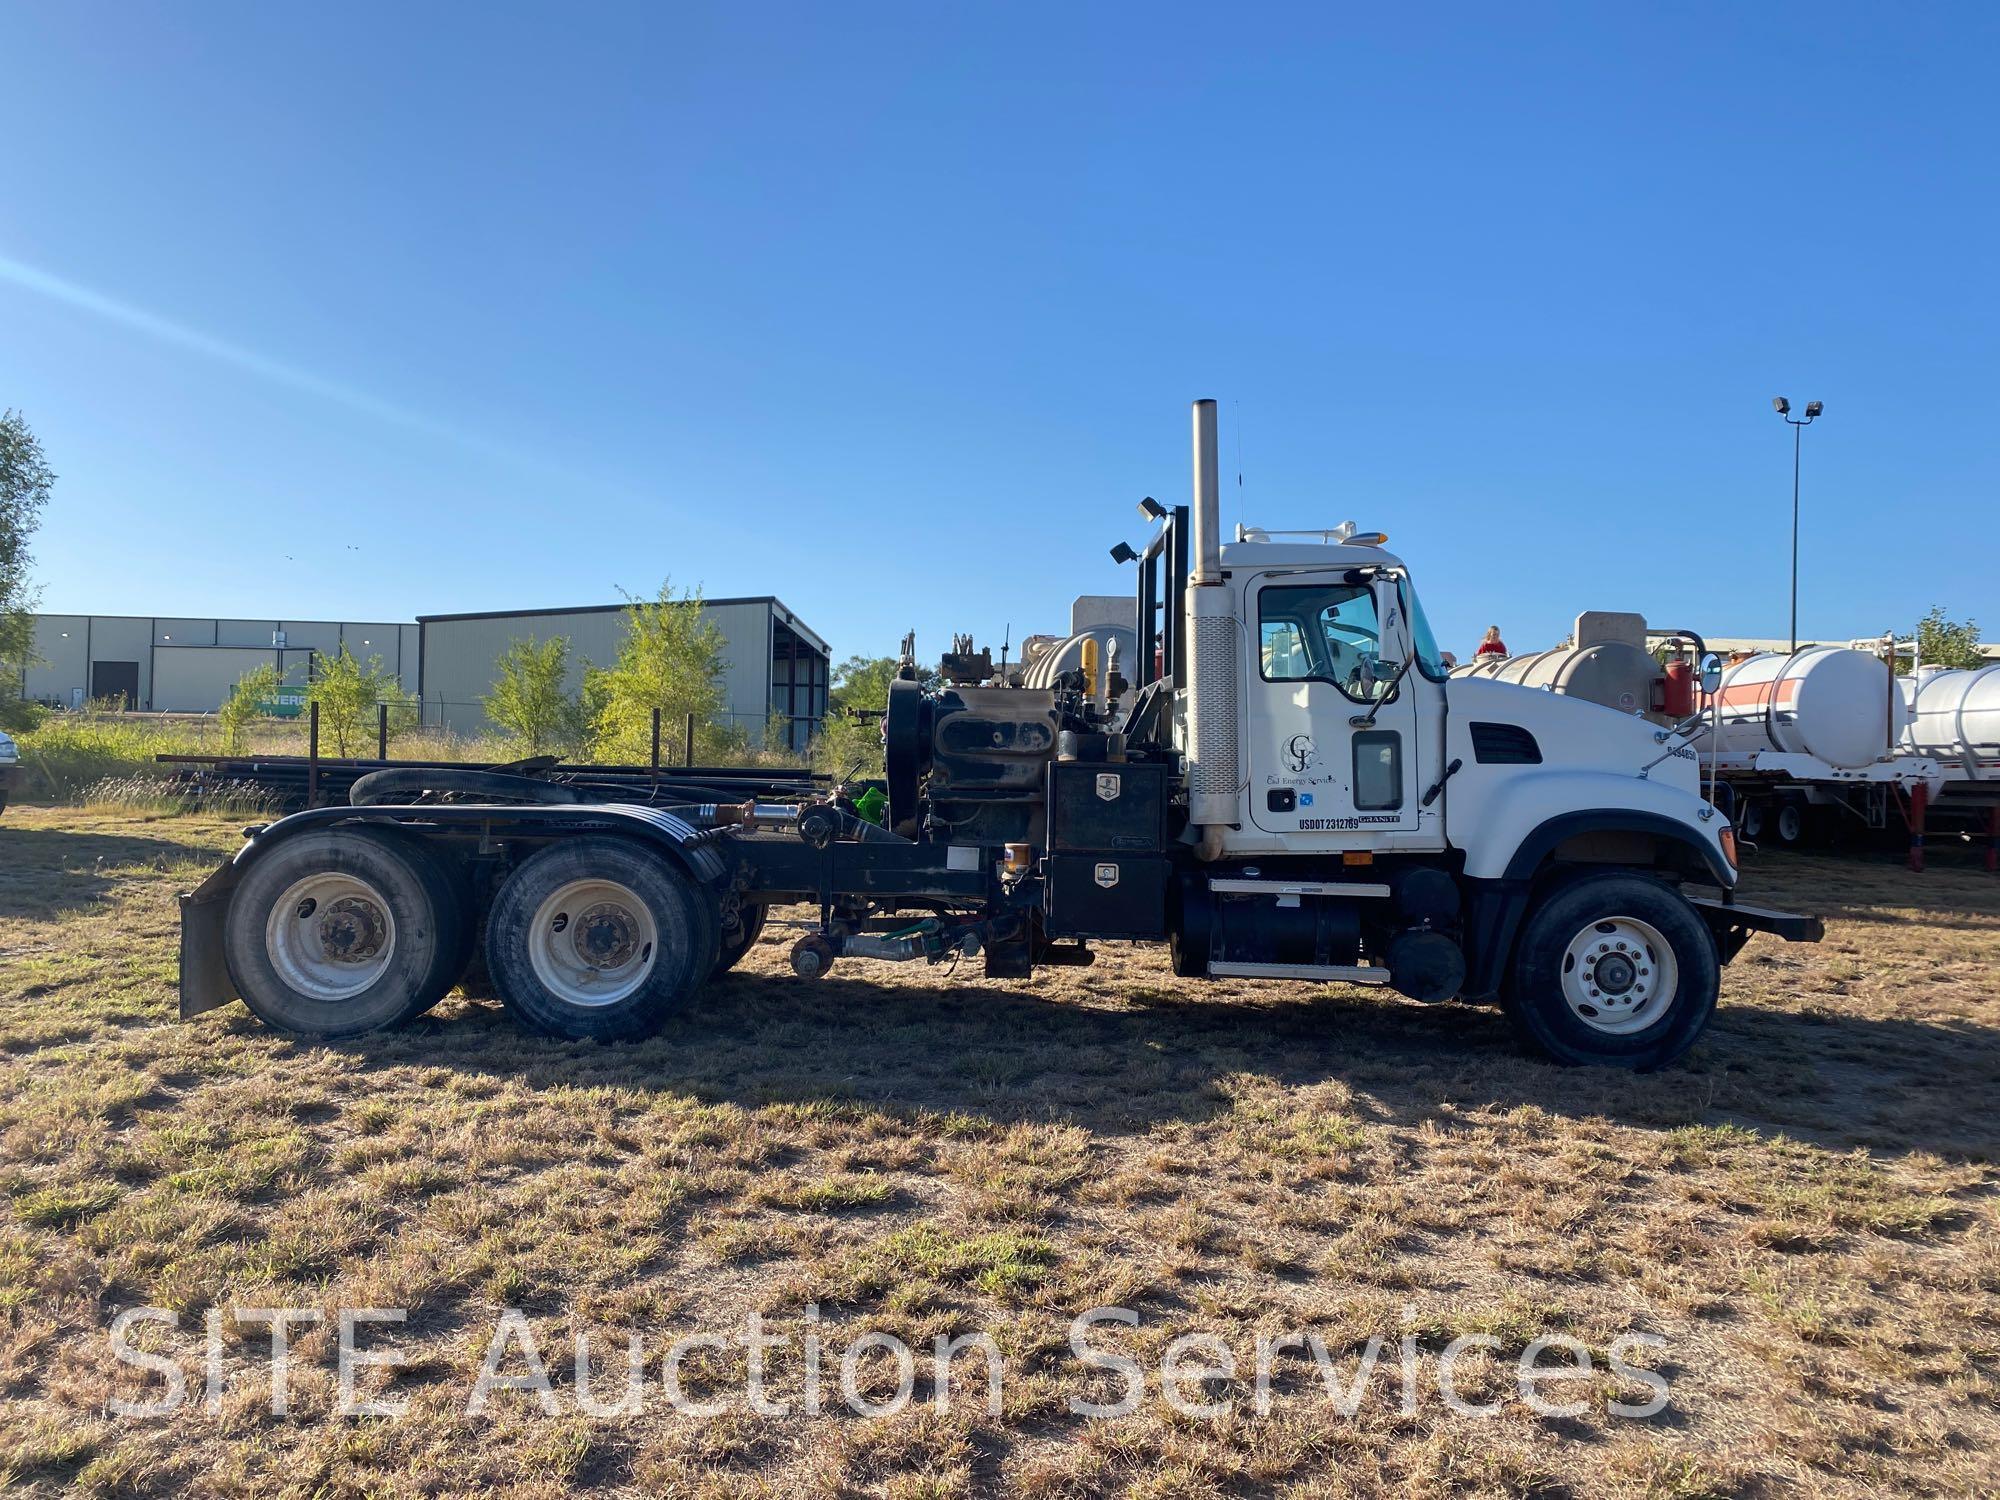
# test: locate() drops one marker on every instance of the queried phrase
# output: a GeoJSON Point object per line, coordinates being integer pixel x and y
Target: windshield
{"type": "Point", "coordinates": [1429, 662]}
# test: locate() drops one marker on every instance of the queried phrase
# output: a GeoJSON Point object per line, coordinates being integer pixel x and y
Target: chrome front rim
{"type": "Point", "coordinates": [330, 936]}
{"type": "Point", "coordinates": [1619, 975]}
{"type": "Point", "coordinates": [593, 942]}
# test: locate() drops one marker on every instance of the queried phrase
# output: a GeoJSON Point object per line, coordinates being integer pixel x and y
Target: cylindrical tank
{"type": "Point", "coordinates": [1955, 711]}
{"type": "Point", "coordinates": [1613, 673]}
{"type": "Point", "coordinates": [1829, 701]}
{"type": "Point", "coordinates": [1052, 660]}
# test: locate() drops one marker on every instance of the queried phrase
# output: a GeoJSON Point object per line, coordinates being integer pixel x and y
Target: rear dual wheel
{"type": "Point", "coordinates": [600, 939]}
{"type": "Point", "coordinates": [341, 931]}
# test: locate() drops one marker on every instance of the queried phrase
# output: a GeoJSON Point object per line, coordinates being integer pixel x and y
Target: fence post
{"type": "Point", "coordinates": [1920, 801]}
{"type": "Point", "coordinates": [381, 731]}
{"type": "Point", "coordinates": [687, 742]}
{"type": "Point", "coordinates": [656, 744]}
{"type": "Point", "coordinates": [312, 754]}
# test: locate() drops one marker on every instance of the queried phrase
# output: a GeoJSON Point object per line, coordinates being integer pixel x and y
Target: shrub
{"type": "Point", "coordinates": [350, 694]}
{"type": "Point", "coordinates": [528, 698]}
{"type": "Point", "coordinates": [670, 660]}
{"type": "Point", "coordinates": [247, 702]}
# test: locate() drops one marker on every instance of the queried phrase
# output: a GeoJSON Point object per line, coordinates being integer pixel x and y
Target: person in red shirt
{"type": "Point", "coordinates": [1492, 645]}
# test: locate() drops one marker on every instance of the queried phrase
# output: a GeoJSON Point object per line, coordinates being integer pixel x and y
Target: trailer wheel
{"type": "Point", "coordinates": [733, 948]}
{"type": "Point", "coordinates": [1789, 822]}
{"type": "Point", "coordinates": [599, 939]}
{"type": "Point", "coordinates": [1616, 970]}
{"type": "Point", "coordinates": [343, 931]}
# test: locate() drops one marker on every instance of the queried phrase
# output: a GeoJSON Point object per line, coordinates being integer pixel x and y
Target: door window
{"type": "Point", "coordinates": [1378, 770]}
{"type": "Point", "coordinates": [1323, 632]}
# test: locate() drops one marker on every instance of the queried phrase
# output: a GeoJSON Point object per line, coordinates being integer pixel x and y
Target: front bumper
{"type": "Point", "coordinates": [1733, 923]}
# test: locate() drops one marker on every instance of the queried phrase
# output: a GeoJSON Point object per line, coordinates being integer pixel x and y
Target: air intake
{"type": "Point", "coordinates": [1504, 745]}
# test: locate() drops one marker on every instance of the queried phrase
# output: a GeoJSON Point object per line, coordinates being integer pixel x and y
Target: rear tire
{"type": "Point", "coordinates": [1615, 970]}
{"type": "Point", "coordinates": [599, 939]}
{"type": "Point", "coordinates": [342, 931]}
{"type": "Point", "coordinates": [451, 889]}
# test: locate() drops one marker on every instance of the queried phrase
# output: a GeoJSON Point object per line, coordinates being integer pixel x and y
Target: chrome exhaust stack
{"type": "Point", "coordinates": [1214, 776]}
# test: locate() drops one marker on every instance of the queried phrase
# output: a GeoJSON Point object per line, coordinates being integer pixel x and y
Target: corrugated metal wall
{"type": "Point", "coordinates": [204, 656]}
{"type": "Point", "coordinates": [459, 656]}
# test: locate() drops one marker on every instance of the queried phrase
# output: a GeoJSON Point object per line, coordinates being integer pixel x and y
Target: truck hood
{"type": "Point", "coordinates": [1530, 761]}
{"type": "Point", "coordinates": [1573, 732]}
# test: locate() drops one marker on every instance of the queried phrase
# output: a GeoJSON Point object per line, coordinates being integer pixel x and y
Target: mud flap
{"type": "Point", "coordinates": [1733, 924]}
{"type": "Point", "coordinates": [205, 981]}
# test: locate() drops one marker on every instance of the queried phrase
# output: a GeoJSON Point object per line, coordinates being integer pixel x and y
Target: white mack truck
{"type": "Point", "coordinates": [1289, 786]}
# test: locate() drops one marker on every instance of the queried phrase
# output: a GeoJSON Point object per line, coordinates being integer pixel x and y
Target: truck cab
{"type": "Point", "coordinates": [1343, 709]}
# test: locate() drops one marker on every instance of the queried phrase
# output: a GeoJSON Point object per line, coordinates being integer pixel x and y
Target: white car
{"type": "Point", "coordinates": [10, 766]}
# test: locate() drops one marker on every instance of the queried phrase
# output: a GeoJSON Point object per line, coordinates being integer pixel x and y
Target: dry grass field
{"type": "Point", "coordinates": [1805, 1213]}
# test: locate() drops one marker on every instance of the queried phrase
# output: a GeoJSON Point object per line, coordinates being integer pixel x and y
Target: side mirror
{"type": "Point", "coordinates": [1711, 674]}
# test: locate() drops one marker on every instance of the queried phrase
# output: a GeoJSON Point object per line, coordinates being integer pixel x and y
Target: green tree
{"type": "Point", "coordinates": [671, 659]}
{"type": "Point", "coordinates": [25, 482]}
{"type": "Point", "coordinates": [849, 744]}
{"type": "Point", "coordinates": [249, 700]}
{"type": "Point", "coordinates": [529, 700]}
{"type": "Point", "coordinates": [1947, 643]}
{"type": "Point", "coordinates": [349, 692]}
{"type": "Point", "coordinates": [862, 682]}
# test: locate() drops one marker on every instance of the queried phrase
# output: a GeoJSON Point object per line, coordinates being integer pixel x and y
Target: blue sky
{"type": "Point", "coordinates": [368, 311]}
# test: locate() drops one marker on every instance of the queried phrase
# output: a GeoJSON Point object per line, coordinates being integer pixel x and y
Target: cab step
{"type": "Point", "coordinates": [1329, 973]}
{"type": "Point", "coordinates": [1231, 885]}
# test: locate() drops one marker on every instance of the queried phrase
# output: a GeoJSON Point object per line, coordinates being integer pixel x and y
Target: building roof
{"type": "Point", "coordinates": [85, 614]}
{"type": "Point", "coordinates": [778, 607]}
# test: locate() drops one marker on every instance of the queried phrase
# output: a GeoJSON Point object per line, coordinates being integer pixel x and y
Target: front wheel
{"type": "Point", "coordinates": [599, 938]}
{"type": "Point", "coordinates": [1614, 969]}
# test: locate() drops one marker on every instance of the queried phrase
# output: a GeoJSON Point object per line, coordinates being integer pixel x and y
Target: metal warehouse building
{"type": "Point", "coordinates": [188, 666]}
{"type": "Point", "coordinates": [773, 664]}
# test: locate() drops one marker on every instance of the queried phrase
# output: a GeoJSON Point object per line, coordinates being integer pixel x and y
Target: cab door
{"type": "Point", "coordinates": [1324, 652]}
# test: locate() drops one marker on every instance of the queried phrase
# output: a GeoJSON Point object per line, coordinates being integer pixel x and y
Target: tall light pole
{"type": "Point", "coordinates": [1798, 425]}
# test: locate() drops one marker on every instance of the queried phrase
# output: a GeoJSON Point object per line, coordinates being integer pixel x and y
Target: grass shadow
{"type": "Point", "coordinates": [1008, 1053]}
{"type": "Point", "coordinates": [47, 874]}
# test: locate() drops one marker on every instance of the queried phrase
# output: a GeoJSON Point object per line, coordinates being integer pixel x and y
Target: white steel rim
{"type": "Point", "coordinates": [1619, 975]}
{"type": "Point", "coordinates": [330, 936]}
{"type": "Point", "coordinates": [593, 942]}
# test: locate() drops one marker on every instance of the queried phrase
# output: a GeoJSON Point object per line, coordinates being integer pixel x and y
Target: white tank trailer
{"type": "Point", "coordinates": [1802, 743]}
{"type": "Point", "coordinates": [1955, 718]}
{"type": "Point", "coordinates": [1608, 664]}
{"type": "Point", "coordinates": [1833, 703]}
